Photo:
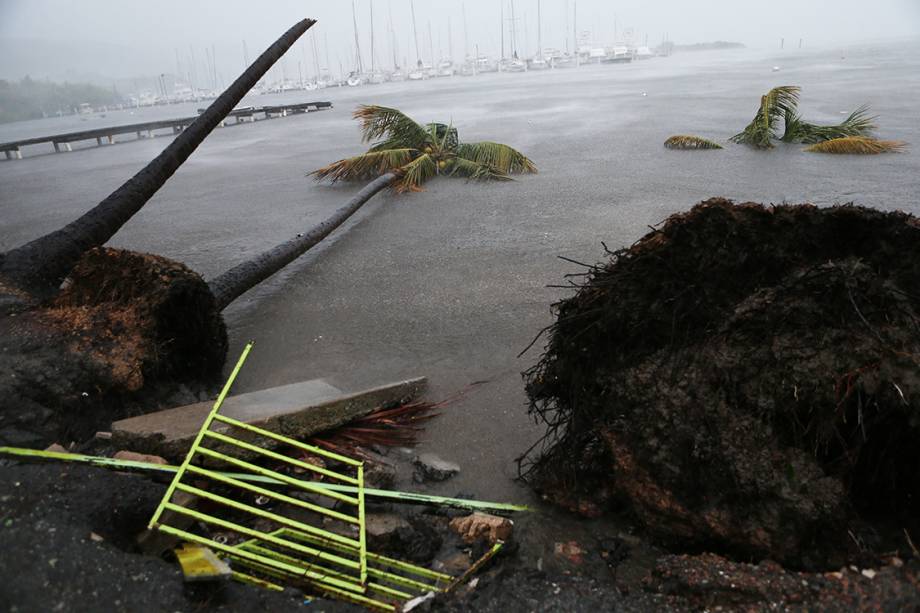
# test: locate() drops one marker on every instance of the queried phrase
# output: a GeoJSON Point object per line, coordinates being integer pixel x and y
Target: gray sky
{"type": "Point", "coordinates": [118, 39]}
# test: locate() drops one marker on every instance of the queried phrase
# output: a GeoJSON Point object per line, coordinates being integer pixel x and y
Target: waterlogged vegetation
{"type": "Point", "coordinates": [415, 153]}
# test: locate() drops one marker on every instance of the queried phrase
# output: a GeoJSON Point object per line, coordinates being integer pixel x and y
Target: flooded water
{"type": "Point", "coordinates": [451, 283]}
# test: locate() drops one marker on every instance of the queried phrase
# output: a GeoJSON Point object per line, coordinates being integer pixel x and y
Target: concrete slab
{"type": "Point", "coordinates": [296, 410]}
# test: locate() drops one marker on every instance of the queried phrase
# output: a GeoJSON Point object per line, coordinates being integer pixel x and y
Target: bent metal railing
{"type": "Point", "coordinates": [283, 536]}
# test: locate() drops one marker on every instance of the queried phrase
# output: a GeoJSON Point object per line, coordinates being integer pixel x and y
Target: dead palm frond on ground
{"type": "Point", "coordinates": [415, 153]}
{"type": "Point", "coordinates": [684, 141]}
{"type": "Point", "coordinates": [857, 145]}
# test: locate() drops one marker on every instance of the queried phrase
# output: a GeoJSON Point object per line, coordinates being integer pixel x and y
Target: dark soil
{"type": "Point", "coordinates": [126, 330]}
{"type": "Point", "coordinates": [745, 380]}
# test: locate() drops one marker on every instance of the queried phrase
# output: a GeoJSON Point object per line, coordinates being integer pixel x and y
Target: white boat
{"type": "Point", "coordinates": [355, 79]}
{"type": "Point", "coordinates": [376, 77]}
{"type": "Point", "coordinates": [418, 74]}
{"type": "Point", "coordinates": [618, 54]}
{"type": "Point", "coordinates": [644, 53]}
{"type": "Point", "coordinates": [485, 64]}
{"type": "Point", "coordinates": [445, 68]}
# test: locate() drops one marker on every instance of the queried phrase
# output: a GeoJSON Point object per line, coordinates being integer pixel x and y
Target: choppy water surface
{"type": "Point", "coordinates": [450, 283]}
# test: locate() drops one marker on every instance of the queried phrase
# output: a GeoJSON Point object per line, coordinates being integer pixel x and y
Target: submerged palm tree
{"type": "Point", "coordinates": [414, 153]}
{"type": "Point", "coordinates": [775, 105]}
{"type": "Point", "coordinates": [780, 104]}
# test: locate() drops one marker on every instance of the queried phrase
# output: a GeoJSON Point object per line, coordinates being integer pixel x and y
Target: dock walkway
{"type": "Point", "coordinates": [106, 136]}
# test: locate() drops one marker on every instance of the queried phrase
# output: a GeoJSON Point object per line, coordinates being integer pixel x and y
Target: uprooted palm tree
{"type": "Point", "coordinates": [83, 328]}
{"type": "Point", "coordinates": [780, 106]}
{"type": "Point", "coordinates": [411, 153]}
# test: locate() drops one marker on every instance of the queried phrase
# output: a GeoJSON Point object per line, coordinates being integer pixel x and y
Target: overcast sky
{"type": "Point", "coordinates": [118, 39]}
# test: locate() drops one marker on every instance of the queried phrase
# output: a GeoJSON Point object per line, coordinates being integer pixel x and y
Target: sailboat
{"type": "Point", "coordinates": [539, 61]}
{"type": "Point", "coordinates": [421, 70]}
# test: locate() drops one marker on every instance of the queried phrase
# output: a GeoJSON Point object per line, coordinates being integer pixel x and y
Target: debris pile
{"type": "Point", "coordinates": [745, 379]}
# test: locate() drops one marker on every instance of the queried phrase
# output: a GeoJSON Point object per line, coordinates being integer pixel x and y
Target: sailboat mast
{"type": "Point", "coordinates": [466, 38]}
{"type": "Point", "coordinates": [566, 30]}
{"type": "Point", "coordinates": [418, 56]}
{"type": "Point", "coordinates": [503, 30]}
{"type": "Point", "coordinates": [539, 33]}
{"type": "Point", "coordinates": [450, 41]}
{"type": "Point", "coordinates": [430, 44]}
{"type": "Point", "coordinates": [371, 5]}
{"type": "Point", "coordinates": [513, 32]}
{"type": "Point", "coordinates": [354, 18]}
{"type": "Point", "coordinates": [393, 37]}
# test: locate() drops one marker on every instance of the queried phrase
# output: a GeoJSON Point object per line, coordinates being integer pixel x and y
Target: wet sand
{"type": "Point", "coordinates": [451, 283]}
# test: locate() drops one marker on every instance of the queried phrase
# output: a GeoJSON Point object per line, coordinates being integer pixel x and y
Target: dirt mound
{"type": "Point", "coordinates": [122, 322]}
{"type": "Point", "coordinates": [746, 380]}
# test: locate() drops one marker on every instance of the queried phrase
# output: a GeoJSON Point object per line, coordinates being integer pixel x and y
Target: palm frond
{"type": "Point", "coordinates": [500, 157]}
{"type": "Point", "coordinates": [366, 166]}
{"type": "Point", "coordinates": [857, 145]}
{"type": "Point", "coordinates": [476, 171]}
{"type": "Point", "coordinates": [684, 141]}
{"type": "Point", "coordinates": [858, 123]}
{"type": "Point", "coordinates": [413, 174]}
{"type": "Point", "coordinates": [778, 103]}
{"type": "Point", "coordinates": [395, 126]}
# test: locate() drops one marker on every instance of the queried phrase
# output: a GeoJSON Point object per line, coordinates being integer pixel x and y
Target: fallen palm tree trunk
{"type": "Point", "coordinates": [230, 285]}
{"type": "Point", "coordinates": [744, 379]}
{"type": "Point", "coordinates": [859, 145]}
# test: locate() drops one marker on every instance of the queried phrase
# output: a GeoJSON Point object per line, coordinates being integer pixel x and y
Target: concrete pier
{"type": "Point", "coordinates": [106, 136]}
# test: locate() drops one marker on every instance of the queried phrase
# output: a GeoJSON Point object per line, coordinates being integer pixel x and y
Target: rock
{"type": "Point", "coordinates": [455, 565]}
{"type": "Point", "coordinates": [139, 457]}
{"type": "Point", "coordinates": [429, 467]}
{"type": "Point", "coordinates": [383, 530]}
{"type": "Point", "coordinates": [570, 551]}
{"type": "Point", "coordinates": [56, 448]}
{"type": "Point", "coordinates": [379, 475]}
{"type": "Point", "coordinates": [482, 526]}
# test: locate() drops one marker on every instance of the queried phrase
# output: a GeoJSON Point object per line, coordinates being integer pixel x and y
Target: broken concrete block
{"type": "Point", "coordinates": [429, 467]}
{"type": "Point", "coordinates": [477, 526]}
{"type": "Point", "coordinates": [383, 530]}
{"type": "Point", "coordinates": [297, 410]}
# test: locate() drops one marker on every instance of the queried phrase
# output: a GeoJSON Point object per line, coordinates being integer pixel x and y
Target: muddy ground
{"type": "Point", "coordinates": [73, 531]}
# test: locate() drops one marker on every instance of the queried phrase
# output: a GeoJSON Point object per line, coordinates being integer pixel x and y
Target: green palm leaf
{"type": "Point", "coordinates": [858, 123]}
{"type": "Point", "coordinates": [366, 166]}
{"type": "Point", "coordinates": [416, 172]}
{"type": "Point", "coordinates": [395, 126]}
{"type": "Point", "coordinates": [777, 104]}
{"type": "Point", "coordinates": [502, 158]}
{"type": "Point", "coordinates": [474, 170]}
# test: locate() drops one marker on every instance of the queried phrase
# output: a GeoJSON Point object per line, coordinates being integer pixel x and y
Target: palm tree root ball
{"type": "Point", "coordinates": [123, 322]}
{"type": "Point", "coordinates": [744, 380]}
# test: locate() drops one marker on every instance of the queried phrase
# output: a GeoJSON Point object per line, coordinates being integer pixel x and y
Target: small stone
{"type": "Point", "coordinates": [95, 537]}
{"type": "Point", "coordinates": [456, 564]}
{"type": "Point", "coordinates": [56, 448]}
{"type": "Point", "coordinates": [570, 551]}
{"type": "Point", "coordinates": [380, 475]}
{"type": "Point", "coordinates": [429, 467]}
{"type": "Point", "coordinates": [482, 526]}
{"type": "Point", "coordinates": [139, 457]}
{"type": "Point", "coordinates": [868, 573]}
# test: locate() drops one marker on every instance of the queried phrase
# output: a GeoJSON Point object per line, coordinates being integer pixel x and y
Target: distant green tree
{"type": "Point", "coordinates": [32, 99]}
